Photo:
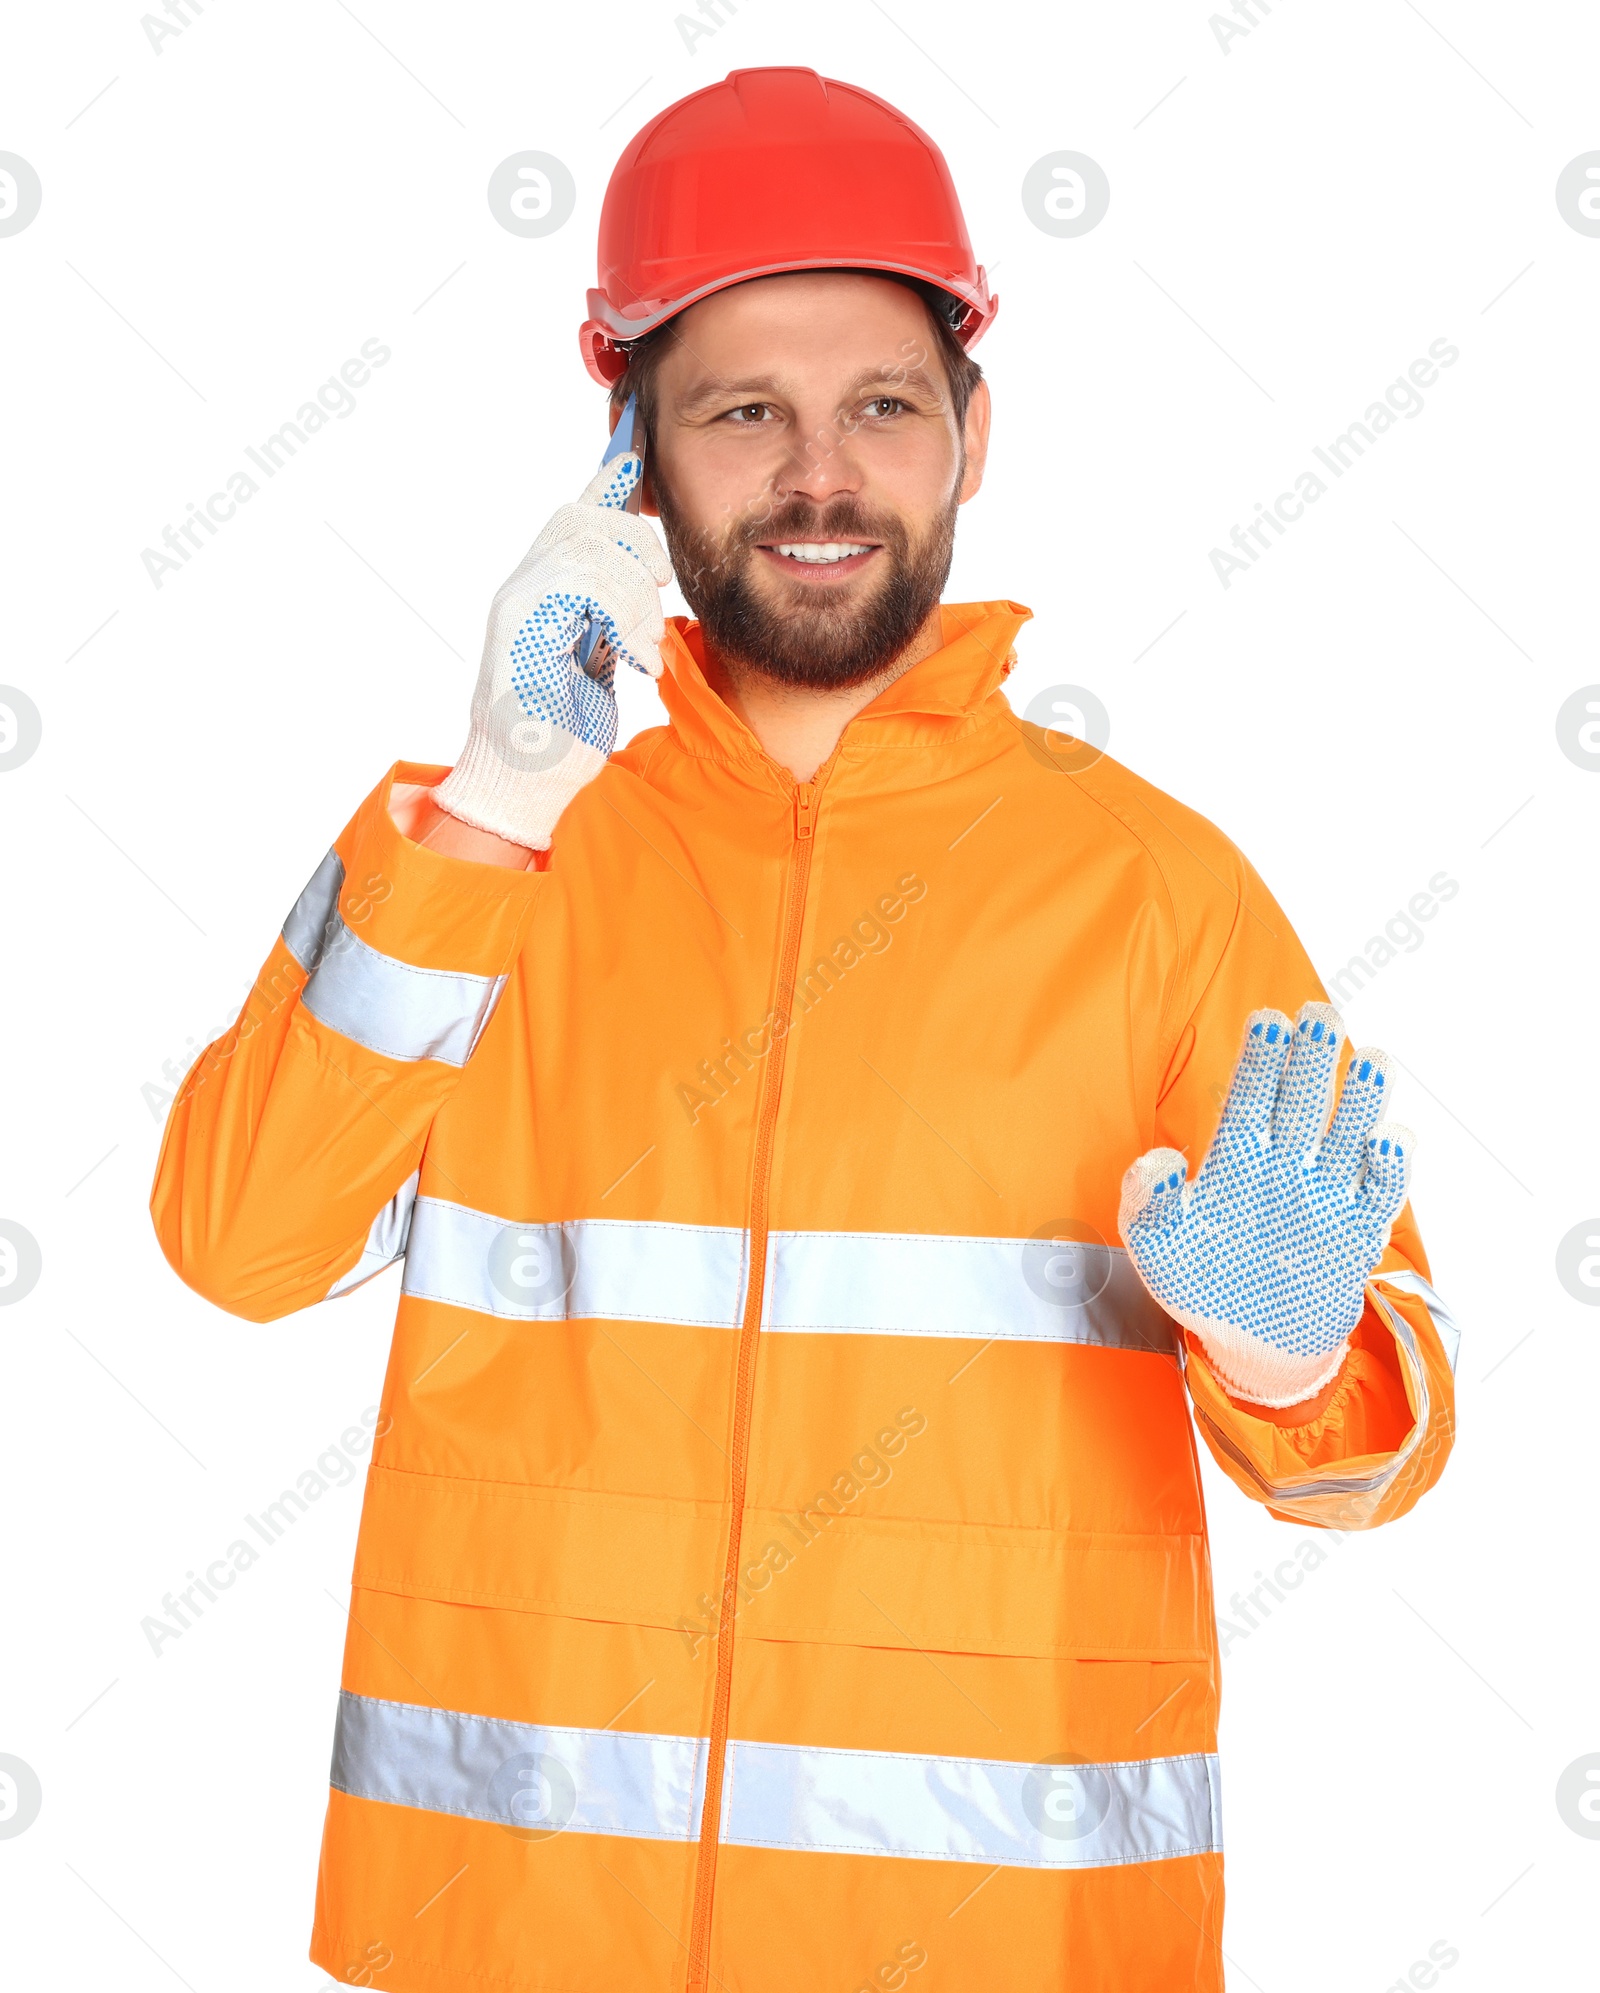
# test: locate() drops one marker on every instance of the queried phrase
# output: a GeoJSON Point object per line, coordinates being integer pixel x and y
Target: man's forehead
{"type": "Point", "coordinates": [836, 330]}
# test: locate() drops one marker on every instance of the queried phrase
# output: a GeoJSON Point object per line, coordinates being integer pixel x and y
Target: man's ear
{"type": "Point", "coordinates": [976, 437]}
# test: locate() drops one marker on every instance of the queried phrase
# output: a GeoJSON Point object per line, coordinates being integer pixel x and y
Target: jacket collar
{"type": "Point", "coordinates": [955, 683]}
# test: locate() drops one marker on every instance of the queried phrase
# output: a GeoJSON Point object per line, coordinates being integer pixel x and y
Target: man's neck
{"type": "Point", "coordinates": [799, 725]}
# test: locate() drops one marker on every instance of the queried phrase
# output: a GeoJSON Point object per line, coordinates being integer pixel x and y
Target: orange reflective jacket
{"type": "Point", "coordinates": [783, 1566]}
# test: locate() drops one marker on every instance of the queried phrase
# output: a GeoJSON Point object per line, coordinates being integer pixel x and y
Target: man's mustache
{"type": "Point", "coordinates": [838, 520]}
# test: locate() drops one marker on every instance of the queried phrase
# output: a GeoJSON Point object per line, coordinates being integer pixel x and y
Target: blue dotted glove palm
{"type": "Point", "coordinates": [1265, 1256]}
{"type": "Point", "coordinates": [542, 722]}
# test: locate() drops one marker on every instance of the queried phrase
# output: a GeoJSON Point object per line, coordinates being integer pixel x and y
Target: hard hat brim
{"type": "Point", "coordinates": [607, 332]}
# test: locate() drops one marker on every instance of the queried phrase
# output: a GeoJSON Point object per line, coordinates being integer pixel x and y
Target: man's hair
{"type": "Point", "coordinates": [963, 373]}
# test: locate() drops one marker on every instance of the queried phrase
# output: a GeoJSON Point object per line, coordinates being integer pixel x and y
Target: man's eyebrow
{"type": "Point", "coordinates": [894, 375]}
{"type": "Point", "coordinates": [758, 387]}
{"type": "Point", "coordinates": [712, 389]}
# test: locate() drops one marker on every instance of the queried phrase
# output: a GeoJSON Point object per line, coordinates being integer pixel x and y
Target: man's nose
{"type": "Point", "coordinates": [820, 467]}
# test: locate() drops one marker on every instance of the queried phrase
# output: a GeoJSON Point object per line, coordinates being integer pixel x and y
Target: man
{"type": "Point", "coordinates": [783, 1566]}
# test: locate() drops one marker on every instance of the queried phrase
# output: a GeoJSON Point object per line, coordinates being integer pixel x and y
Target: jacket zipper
{"type": "Point", "coordinates": [805, 814]}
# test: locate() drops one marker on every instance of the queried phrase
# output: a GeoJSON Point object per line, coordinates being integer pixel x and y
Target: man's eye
{"type": "Point", "coordinates": [751, 411]}
{"type": "Point", "coordinates": [884, 405]}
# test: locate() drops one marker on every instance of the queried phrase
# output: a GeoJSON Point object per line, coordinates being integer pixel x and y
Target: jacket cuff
{"type": "Point", "coordinates": [1346, 1463]}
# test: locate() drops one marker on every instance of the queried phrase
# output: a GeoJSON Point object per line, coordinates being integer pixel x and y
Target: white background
{"type": "Point", "coordinates": [1372, 703]}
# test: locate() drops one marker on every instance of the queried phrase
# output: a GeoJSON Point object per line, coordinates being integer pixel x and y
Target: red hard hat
{"type": "Point", "coordinates": [769, 170]}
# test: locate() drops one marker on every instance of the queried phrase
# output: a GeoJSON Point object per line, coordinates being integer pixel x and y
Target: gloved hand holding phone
{"type": "Point", "coordinates": [544, 714]}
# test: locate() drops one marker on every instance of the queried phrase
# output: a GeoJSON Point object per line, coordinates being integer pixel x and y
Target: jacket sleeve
{"type": "Point", "coordinates": [1368, 1446]}
{"type": "Point", "coordinates": [289, 1164]}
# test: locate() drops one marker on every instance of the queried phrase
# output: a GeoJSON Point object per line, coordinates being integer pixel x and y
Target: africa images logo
{"type": "Point", "coordinates": [1402, 399]}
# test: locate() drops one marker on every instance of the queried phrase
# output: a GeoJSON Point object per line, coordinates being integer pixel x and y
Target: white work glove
{"type": "Point", "coordinates": [1265, 1256]}
{"type": "Point", "coordinates": [542, 725]}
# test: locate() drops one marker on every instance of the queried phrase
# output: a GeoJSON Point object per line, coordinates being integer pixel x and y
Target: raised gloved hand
{"type": "Point", "coordinates": [1266, 1254]}
{"type": "Point", "coordinates": [542, 724]}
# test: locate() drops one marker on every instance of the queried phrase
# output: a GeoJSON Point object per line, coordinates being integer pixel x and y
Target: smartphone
{"type": "Point", "coordinates": [628, 435]}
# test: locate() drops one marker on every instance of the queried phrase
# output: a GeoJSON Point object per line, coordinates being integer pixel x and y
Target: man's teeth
{"type": "Point", "coordinates": [820, 552]}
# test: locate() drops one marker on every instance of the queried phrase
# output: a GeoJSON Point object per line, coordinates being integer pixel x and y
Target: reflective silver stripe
{"type": "Point", "coordinates": [1408, 1281]}
{"type": "Point", "coordinates": [931, 1284]}
{"type": "Point", "coordinates": [307, 926]}
{"type": "Point", "coordinates": [971, 1809]}
{"type": "Point", "coordinates": [393, 1008]}
{"type": "Point", "coordinates": [818, 1283]}
{"type": "Point", "coordinates": [520, 1774]}
{"type": "Point", "coordinates": [794, 1797]}
{"type": "Point", "coordinates": [588, 1268]}
{"type": "Point", "coordinates": [386, 1240]}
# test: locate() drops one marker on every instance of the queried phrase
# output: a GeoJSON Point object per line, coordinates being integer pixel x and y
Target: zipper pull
{"type": "Point", "coordinates": [805, 804]}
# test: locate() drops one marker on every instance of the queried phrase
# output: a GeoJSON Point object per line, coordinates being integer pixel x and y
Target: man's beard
{"type": "Point", "coordinates": [828, 643]}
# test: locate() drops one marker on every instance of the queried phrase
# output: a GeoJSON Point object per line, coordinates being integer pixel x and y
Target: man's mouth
{"type": "Point", "coordinates": [815, 560]}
